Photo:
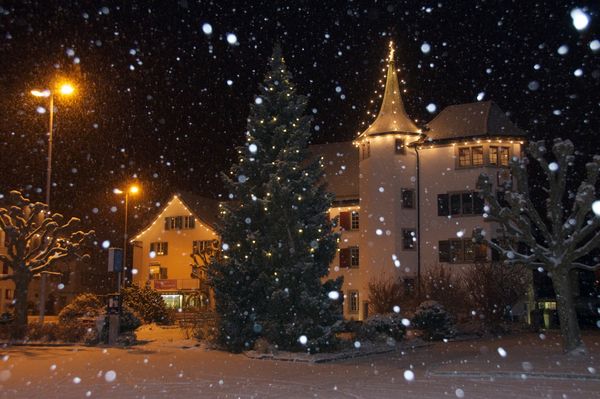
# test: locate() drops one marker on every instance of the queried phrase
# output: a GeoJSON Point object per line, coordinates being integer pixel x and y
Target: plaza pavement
{"type": "Point", "coordinates": [519, 366]}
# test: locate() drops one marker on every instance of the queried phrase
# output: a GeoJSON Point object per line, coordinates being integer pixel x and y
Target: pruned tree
{"type": "Point", "coordinates": [34, 241]}
{"type": "Point", "coordinates": [558, 241]}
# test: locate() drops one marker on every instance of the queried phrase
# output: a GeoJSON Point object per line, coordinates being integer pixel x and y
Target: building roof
{"type": "Point", "coordinates": [340, 161]}
{"type": "Point", "coordinates": [392, 117]}
{"type": "Point", "coordinates": [206, 210]}
{"type": "Point", "coordinates": [479, 119]}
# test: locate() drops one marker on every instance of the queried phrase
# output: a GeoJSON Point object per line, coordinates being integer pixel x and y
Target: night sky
{"type": "Point", "coordinates": [154, 102]}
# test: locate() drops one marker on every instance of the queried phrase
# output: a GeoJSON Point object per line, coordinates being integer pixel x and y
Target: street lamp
{"type": "Point", "coordinates": [132, 190]}
{"type": "Point", "coordinates": [64, 89]}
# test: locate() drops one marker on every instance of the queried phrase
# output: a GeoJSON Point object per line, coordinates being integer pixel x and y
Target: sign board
{"type": "Point", "coordinates": [115, 259]}
{"type": "Point", "coordinates": [165, 284]}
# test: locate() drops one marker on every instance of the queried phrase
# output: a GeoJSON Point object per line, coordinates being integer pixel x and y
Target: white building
{"type": "Point", "coordinates": [162, 250]}
{"type": "Point", "coordinates": [405, 201]}
{"type": "Point", "coordinates": [406, 197]}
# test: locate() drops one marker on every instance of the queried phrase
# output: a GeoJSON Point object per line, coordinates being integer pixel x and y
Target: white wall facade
{"type": "Point", "coordinates": [177, 261]}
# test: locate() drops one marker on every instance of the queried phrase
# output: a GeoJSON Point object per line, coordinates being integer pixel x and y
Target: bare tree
{"type": "Point", "coordinates": [34, 241]}
{"type": "Point", "coordinates": [558, 241]}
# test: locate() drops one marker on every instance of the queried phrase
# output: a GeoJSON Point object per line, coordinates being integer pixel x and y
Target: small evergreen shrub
{"type": "Point", "coordinates": [130, 321]}
{"type": "Point", "coordinates": [84, 305]}
{"type": "Point", "coordinates": [147, 304]}
{"type": "Point", "coordinates": [434, 321]}
{"type": "Point", "coordinates": [382, 326]}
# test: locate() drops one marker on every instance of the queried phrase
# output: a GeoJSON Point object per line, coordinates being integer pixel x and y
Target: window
{"type": "Point", "coordinates": [462, 251]}
{"type": "Point", "coordinates": [354, 256]}
{"type": "Point", "coordinates": [499, 155]}
{"type": "Point", "coordinates": [468, 203]}
{"type": "Point", "coordinates": [408, 198]}
{"type": "Point", "coordinates": [180, 222]}
{"type": "Point", "coordinates": [4, 268]}
{"type": "Point", "coordinates": [201, 245]}
{"type": "Point", "coordinates": [409, 239]}
{"type": "Point", "coordinates": [470, 156]}
{"type": "Point", "coordinates": [158, 273]}
{"type": "Point", "coordinates": [464, 157]}
{"type": "Point", "coordinates": [399, 147]}
{"type": "Point", "coordinates": [409, 285]}
{"type": "Point", "coordinates": [477, 156]}
{"type": "Point", "coordinates": [160, 248]}
{"type": "Point", "coordinates": [353, 301]}
{"type": "Point", "coordinates": [354, 220]}
{"type": "Point", "coordinates": [349, 220]}
{"type": "Point", "coordinates": [365, 150]}
{"type": "Point", "coordinates": [349, 257]}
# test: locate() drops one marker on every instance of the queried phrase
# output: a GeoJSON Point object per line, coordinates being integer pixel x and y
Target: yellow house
{"type": "Point", "coordinates": [162, 251]}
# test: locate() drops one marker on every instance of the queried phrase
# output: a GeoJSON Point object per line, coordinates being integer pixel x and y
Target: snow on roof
{"type": "Point", "coordinates": [340, 161]}
{"type": "Point", "coordinates": [483, 118]}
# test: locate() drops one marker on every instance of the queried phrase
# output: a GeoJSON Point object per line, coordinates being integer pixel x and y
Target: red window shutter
{"type": "Point", "coordinates": [4, 268]}
{"type": "Point", "coordinates": [344, 257]}
{"type": "Point", "coordinates": [345, 220]}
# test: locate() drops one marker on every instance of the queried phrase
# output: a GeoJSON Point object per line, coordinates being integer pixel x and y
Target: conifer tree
{"type": "Point", "coordinates": [276, 239]}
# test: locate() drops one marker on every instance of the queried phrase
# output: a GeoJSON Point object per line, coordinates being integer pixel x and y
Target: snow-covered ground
{"type": "Point", "coordinates": [520, 366]}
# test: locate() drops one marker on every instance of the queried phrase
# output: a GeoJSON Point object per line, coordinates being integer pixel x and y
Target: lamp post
{"type": "Point", "coordinates": [64, 89]}
{"type": "Point", "coordinates": [133, 190]}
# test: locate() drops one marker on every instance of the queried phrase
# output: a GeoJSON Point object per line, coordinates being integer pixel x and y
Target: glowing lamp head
{"type": "Point", "coordinates": [66, 89]}
{"type": "Point", "coordinates": [40, 93]}
{"type": "Point", "coordinates": [134, 189]}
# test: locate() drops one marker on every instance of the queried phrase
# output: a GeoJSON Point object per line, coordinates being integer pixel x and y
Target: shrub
{"type": "Point", "coordinates": [51, 332]}
{"type": "Point", "coordinates": [434, 321]}
{"type": "Point", "coordinates": [493, 289]}
{"type": "Point", "coordinates": [147, 303]}
{"type": "Point", "coordinates": [72, 332]}
{"type": "Point", "coordinates": [385, 293]}
{"type": "Point", "coordinates": [84, 305]}
{"type": "Point", "coordinates": [44, 332]}
{"type": "Point", "coordinates": [382, 325]}
{"type": "Point", "coordinates": [130, 321]}
{"type": "Point", "coordinates": [440, 285]}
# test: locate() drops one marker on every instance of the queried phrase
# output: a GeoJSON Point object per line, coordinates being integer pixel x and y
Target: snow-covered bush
{"type": "Point", "coordinates": [51, 332]}
{"type": "Point", "coordinates": [147, 303]}
{"type": "Point", "coordinates": [382, 326]}
{"type": "Point", "coordinates": [130, 321]}
{"type": "Point", "coordinates": [84, 305]}
{"type": "Point", "coordinates": [90, 305]}
{"type": "Point", "coordinates": [434, 321]}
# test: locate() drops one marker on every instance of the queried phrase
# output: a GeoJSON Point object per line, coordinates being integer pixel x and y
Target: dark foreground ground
{"type": "Point", "coordinates": [532, 367]}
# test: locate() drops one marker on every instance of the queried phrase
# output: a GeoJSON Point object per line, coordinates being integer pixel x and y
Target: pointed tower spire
{"type": "Point", "coordinates": [392, 117]}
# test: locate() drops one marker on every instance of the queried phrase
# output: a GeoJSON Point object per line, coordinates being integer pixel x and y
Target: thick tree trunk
{"type": "Point", "coordinates": [569, 326]}
{"type": "Point", "coordinates": [20, 326]}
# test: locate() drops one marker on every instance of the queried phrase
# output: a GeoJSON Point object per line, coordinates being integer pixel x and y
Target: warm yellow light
{"type": "Point", "coordinates": [66, 89]}
{"type": "Point", "coordinates": [134, 189]}
{"type": "Point", "coordinates": [40, 93]}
